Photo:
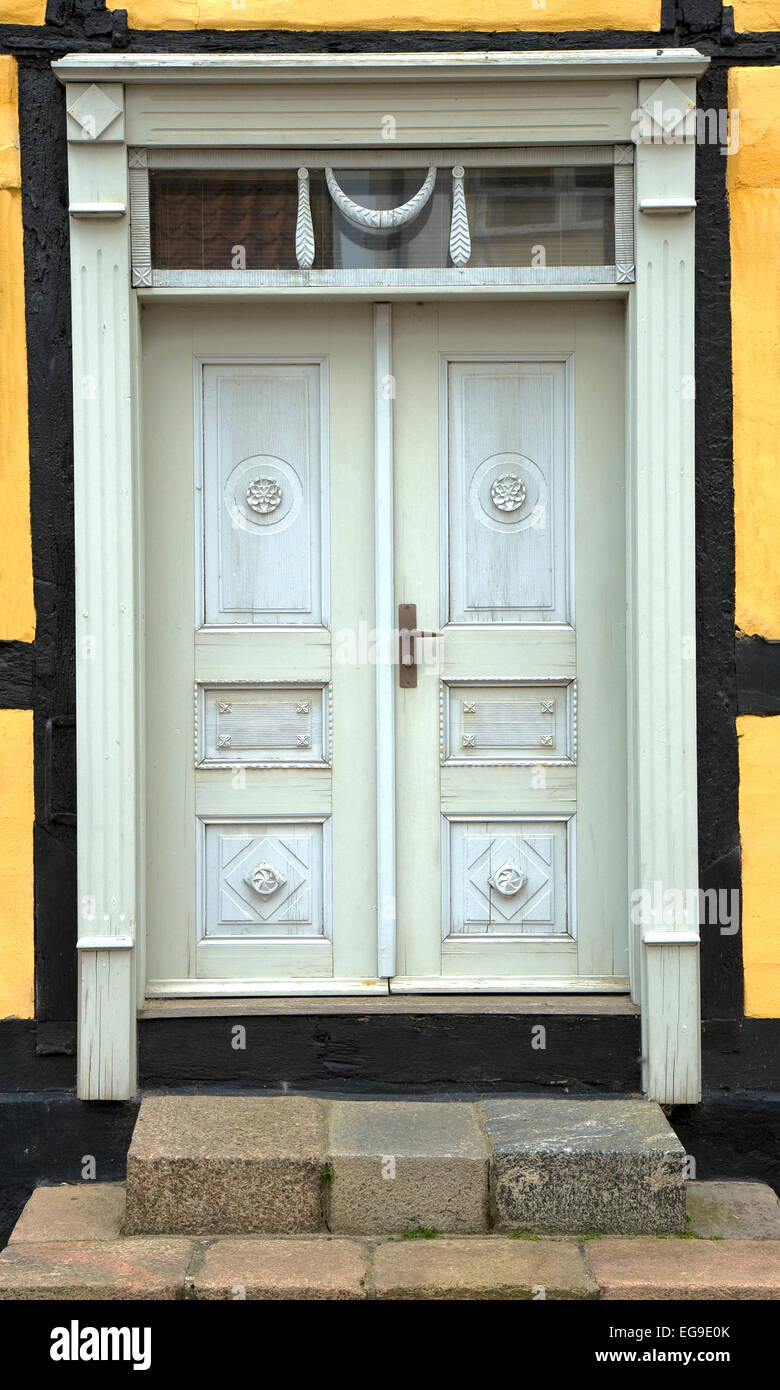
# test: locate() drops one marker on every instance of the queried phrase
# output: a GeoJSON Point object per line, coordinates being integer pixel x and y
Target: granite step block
{"type": "Point", "coordinates": [584, 1166]}
{"type": "Point", "coordinates": [497, 1269]}
{"type": "Point", "coordinates": [72, 1211]}
{"type": "Point", "coordinates": [303, 1268]}
{"type": "Point", "coordinates": [201, 1165]}
{"type": "Point", "coordinates": [398, 1165]}
{"type": "Point", "coordinates": [686, 1270]}
{"type": "Point", "coordinates": [733, 1211]}
{"type": "Point", "coordinates": [95, 1270]}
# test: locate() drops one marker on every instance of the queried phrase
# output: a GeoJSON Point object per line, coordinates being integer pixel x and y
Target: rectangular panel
{"type": "Point", "coordinates": [270, 726]}
{"type": "Point", "coordinates": [264, 878]}
{"type": "Point", "coordinates": [263, 494]}
{"type": "Point", "coordinates": [510, 111]}
{"type": "Point", "coordinates": [507, 723]}
{"type": "Point", "coordinates": [508, 487]}
{"type": "Point", "coordinates": [222, 655]}
{"type": "Point", "coordinates": [508, 878]}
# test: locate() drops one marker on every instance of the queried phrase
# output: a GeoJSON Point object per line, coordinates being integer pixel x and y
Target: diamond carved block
{"type": "Point", "coordinates": [264, 879]}
{"type": "Point", "coordinates": [509, 878]}
{"type": "Point", "coordinates": [94, 112]}
{"type": "Point", "coordinates": [667, 105]}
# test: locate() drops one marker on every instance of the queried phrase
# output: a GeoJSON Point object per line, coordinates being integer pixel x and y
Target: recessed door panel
{"type": "Point", "coordinates": [508, 491]}
{"type": "Point", "coordinates": [510, 723]}
{"type": "Point", "coordinates": [262, 726]}
{"type": "Point", "coordinates": [264, 879]}
{"type": "Point", "coordinates": [509, 878]}
{"type": "Point", "coordinates": [263, 527]}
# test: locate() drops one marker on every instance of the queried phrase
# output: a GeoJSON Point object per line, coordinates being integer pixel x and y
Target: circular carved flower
{"type": "Point", "coordinates": [266, 879]}
{"type": "Point", "coordinates": [508, 492]}
{"type": "Point", "coordinates": [507, 880]}
{"type": "Point", "coordinates": [264, 495]}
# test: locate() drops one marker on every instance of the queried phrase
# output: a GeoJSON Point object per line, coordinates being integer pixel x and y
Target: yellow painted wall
{"type": "Point", "coordinates": [759, 817]}
{"type": "Point", "coordinates": [754, 198]}
{"type": "Point", "coordinates": [17, 611]}
{"type": "Point", "coordinates": [756, 15]}
{"type": "Point", "coordinates": [16, 864]}
{"type": "Point", "coordinates": [22, 11]}
{"type": "Point", "coordinates": [540, 15]}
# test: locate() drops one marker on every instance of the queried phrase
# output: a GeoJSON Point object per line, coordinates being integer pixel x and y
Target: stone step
{"type": "Point", "coordinates": [67, 1245]}
{"type": "Point", "coordinates": [203, 1165]}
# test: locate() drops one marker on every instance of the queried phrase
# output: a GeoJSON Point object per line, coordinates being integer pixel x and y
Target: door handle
{"type": "Point", "coordinates": [408, 636]}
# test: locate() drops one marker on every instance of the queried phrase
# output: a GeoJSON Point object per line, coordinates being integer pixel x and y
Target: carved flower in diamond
{"type": "Point", "coordinates": [264, 495]}
{"type": "Point", "coordinates": [508, 492]}
{"type": "Point", "coordinates": [266, 879]}
{"type": "Point", "coordinates": [507, 880]}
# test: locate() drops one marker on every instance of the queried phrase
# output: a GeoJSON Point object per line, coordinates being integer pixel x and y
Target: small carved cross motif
{"type": "Point", "coordinates": [469, 741]}
{"type": "Point", "coordinates": [302, 707]}
{"type": "Point", "coordinates": [546, 738]}
{"type": "Point", "coordinates": [225, 708]}
{"type": "Point", "coordinates": [548, 706]}
{"type": "Point", "coordinates": [224, 741]}
{"type": "Point", "coordinates": [469, 706]}
{"type": "Point", "coordinates": [303, 741]}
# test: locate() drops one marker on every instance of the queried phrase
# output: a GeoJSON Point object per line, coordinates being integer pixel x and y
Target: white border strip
{"type": "Point", "coordinates": [385, 625]}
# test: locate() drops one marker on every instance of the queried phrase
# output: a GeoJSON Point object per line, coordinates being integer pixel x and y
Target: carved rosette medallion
{"type": "Point", "coordinates": [264, 495]}
{"type": "Point", "coordinates": [507, 880]}
{"type": "Point", "coordinates": [266, 879]}
{"type": "Point", "coordinates": [508, 492]}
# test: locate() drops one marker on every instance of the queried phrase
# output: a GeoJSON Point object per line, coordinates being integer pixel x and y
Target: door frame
{"type": "Point", "coordinates": [109, 98]}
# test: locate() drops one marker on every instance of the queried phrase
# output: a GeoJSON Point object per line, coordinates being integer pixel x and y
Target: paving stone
{"type": "Point", "coordinates": [579, 1166]}
{"type": "Point", "coordinates": [497, 1268]}
{"type": "Point", "coordinates": [734, 1210]}
{"type": "Point", "coordinates": [86, 1211]}
{"type": "Point", "coordinates": [403, 1164]}
{"type": "Point", "coordinates": [128, 1269]}
{"type": "Point", "coordinates": [686, 1269]}
{"type": "Point", "coordinates": [293, 1268]}
{"type": "Point", "coordinates": [220, 1165]}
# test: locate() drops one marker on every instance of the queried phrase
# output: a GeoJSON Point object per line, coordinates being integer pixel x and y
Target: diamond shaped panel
{"type": "Point", "coordinates": [508, 878]}
{"type": "Point", "coordinates": [264, 879]}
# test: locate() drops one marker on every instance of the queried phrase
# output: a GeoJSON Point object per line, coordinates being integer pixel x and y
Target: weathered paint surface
{"type": "Point", "coordinates": [754, 196]}
{"type": "Point", "coordinates": [17, 611]}
{"type": "Point", "coordinates": [542, 16]}
{"type": "Point", "coordinates": [16, 864]}
{"type": "Point", "coordinates": [22, 11]}
{"type": "Point", "coordinates": [755, 16]}
{"type": "Point", "coordinates": [759, 806]}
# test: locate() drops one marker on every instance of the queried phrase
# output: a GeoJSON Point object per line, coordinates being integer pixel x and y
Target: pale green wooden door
{"type": "Point", "coordinates": [511, 750]}
{"type": "Point", "coordinates": [260, 747]}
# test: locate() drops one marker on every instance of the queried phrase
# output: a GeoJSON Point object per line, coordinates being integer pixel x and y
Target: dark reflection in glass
{"type": "Point", "coordinates": [541, 216]}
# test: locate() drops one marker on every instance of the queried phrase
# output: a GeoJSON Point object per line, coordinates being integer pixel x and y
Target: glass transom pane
{"type": "Point", "coordinates": [245, 220]}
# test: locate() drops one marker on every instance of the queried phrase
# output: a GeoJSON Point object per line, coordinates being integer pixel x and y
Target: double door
{"type": "Point", "coordinates": [336, 803]}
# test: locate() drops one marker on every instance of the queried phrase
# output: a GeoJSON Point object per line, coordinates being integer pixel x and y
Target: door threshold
{"type": "Point", "coordinates": [601, 1005]}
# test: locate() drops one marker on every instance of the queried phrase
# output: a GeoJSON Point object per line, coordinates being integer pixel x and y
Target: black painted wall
{"type": "Point", "coordinates": [43, 1131]}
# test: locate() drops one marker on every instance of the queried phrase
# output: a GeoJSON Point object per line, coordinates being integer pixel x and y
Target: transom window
{"type": "Point", "coordinates": [553, 215]}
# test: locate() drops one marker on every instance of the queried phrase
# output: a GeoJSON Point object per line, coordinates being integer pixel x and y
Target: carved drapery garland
{"type": "Point", "coordinates": [386, 219]}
